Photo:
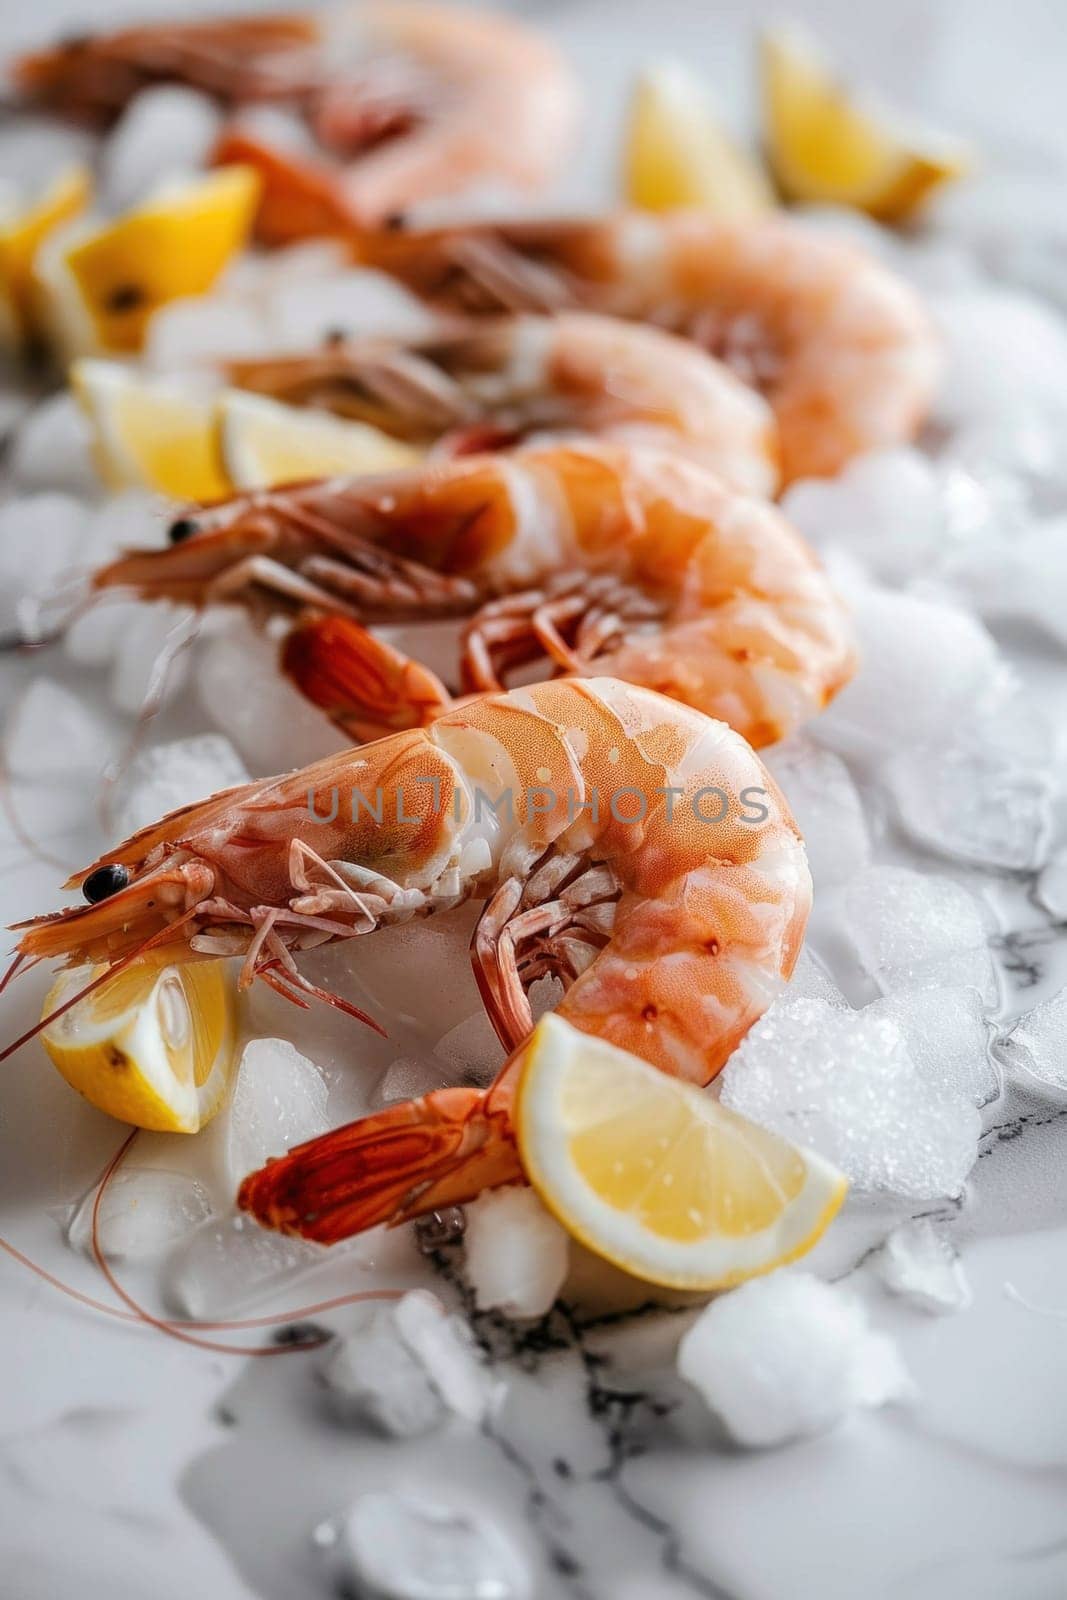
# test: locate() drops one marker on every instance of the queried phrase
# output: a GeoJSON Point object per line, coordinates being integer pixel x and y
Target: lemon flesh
{"type": "Point", "coordinates": [154, 1047]}
{"type": "Point", "coordinates": [655, 1175]}
{"type": "Point", "coordinates": [102, 284]}
{"type": "Point", "coordinates": [678, 153]}
{"type": "Point", "coordinates": [825, 145]}
{"type": "Point", "coordinates": [22, 233]}
{"type": "Point", "coordinates": [264, 443]}
{"type": "Point", "coordinates": [153, 435]}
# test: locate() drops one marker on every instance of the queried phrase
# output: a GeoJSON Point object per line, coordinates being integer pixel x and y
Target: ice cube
{"type": "Point", "coordinates": [1003, 350]}
{"type": "Point", "coordinates": [51, 732]}
{"type": "Point", "coordinates": [1022, 579]}
{"type": "Point", "coordinates": [443, 1344]}
{"type": "Point", "coordinates": [826, 804]}
{"type": "Point", "coordinates": [407, 1366]}
{"type": "Point", "coordinates": [517, 1253]}
{"type": "Point", "coordinates": [143, 1212]}
{"type": "Point", "coordinates": [918, 1263]}
{"type": "Point", "coordinates": [243, 690]}
{"type": "Point", "coordinates": [1051, 886]}
{"type": "Point", "coordinates": [471, 1051]}
{"type": "Point", "coordinates": [395, 1546]}
{"type": "Point", "coordinates": [205, 329]}
{"type": "Point", "coordinates": [1013, 456]}
{"type": "Point", "coordinates": [279, 1100]}
{"type": "Point", "coordinates": [52, 449]}
{"type": "Point", "coordinates": [94, 637]}
{"type": "Point", "coordinates": [984, 793]}
{"type": "Point", "coordinates": [923, 666]}
{"type": "Point", "coordinates": [949, 1039]}
{"type": "Point", "coordinates": [133, 518]}
{"type": "Point", "coordinates": [166, 776]}
{"type": "Point", "coordinates": [149, 666]}
{"type": "Point", "coordinates": [230, 1262]}
{"type": "Point", "coordinates": [409, 1078]}
{"type": "Point", "coordinates": [40, 536]}
{"type": "Point", "coordinates": [372, 1378]}
{"type": "Point", "coordinates": [1037, 1045]}
{"type": "Point", "coordinates": [35, 150]}
{"type": "Point", "coordinates": [886, 509]}
{"type": "Point", "coordinates": [785, 1356]}
{"type": "Point", "coordinates": [917, 930]}
{"type": "Point", "coordinates": [844, 1084]}
{"type": "Point", "coordinates": [166, 131]}
{"type": "Point", "coordinates": [356, 303]}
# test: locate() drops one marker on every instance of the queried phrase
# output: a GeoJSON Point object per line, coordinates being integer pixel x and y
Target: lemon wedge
{"type": "Point", "coordinates": [100, 283]}
{"type": "Point", "coordinates": [265, 443]}
{"type": "Point", "coordinates": [655, 1175]}
{"type": "Point", "coordinates": [827, 145]}
{"type": "Point", "coordinates": [23, 230]}
{"type": "Point", "coordinates": [152, 434]}
{"type": "Point", "coordinates": [154, 1047]}
{"type": "Point", "coordinates": [677, 152]}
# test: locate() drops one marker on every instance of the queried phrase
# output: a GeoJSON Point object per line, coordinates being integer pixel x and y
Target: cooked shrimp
{"type": "Point", "coordinates": [838, 344]}
{"type": "Point", "coordinates": [673, 937]}
{"type": "Point", "coordinates": [626, 844]}
{"type": "Point", "coordinates": [590, 558]}
{"type": "Point", "coordinates": [494, 384]}
{"type": "Point", "coordinates": [393, 103]}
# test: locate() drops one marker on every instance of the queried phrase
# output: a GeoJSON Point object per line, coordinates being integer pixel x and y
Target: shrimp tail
{"type": "Point", "coordinates": [397, 1164]}
{"type": "Point", "coordinates": [364, 685]}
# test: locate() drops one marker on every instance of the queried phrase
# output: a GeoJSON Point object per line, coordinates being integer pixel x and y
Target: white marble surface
{"type": "Point", "coordinates": [131, 1464]}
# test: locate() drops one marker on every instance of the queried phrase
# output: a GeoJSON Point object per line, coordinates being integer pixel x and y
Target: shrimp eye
{"type": "Point", "coordinates": [105, 881]}
{"type": "Point", "coordinates": [182, 529]}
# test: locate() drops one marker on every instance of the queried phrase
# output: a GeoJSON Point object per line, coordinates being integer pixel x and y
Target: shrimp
{"type": "Point", "coordinates": [590, 558]}
{"type": "Point", "coordinates": [390, 103]}
{"type": "Point", "coordinates": [838, 344]}
{"type": "Point", "coordinates": [492, 384]}
{"type": "Point", "coordinates": [672, 941]}
{"type": "Point", "coordinates": [628, 845]}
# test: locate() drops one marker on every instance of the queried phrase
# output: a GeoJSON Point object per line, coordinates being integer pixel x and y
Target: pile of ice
{"type": "Point", "coordinates": [786, 1356]}
{"type": "Point", "coordinates": [844, 1083]}
{"type": "Point", "coordinates": [408, 1366]}
{"type": "Point", "coordinates": [889, 1092]}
